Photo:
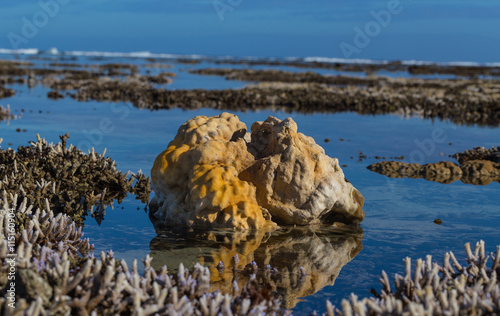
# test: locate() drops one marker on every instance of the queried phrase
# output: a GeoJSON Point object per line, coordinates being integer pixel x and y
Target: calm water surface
{"type": "Point", "coordinates": [399, 212]}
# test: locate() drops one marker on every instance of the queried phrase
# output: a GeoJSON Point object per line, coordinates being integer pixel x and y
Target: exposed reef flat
{"type": "Point", "coordinates": [479, 166]}
{"type": "Point", "coordinates": [458, 102]}
{"type": "Point", "coordinates": [286, 76]}
{"type": "Point", "coordinates": [463, 101]}
{"type": "Point", "coordinates": [393, 66]}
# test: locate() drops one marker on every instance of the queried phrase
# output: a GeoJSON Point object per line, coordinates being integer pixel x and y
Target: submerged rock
{"type": "Point", "coordinates": [215, 174]}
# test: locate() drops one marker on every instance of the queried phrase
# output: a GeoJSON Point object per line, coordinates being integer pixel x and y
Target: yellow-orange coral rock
{"type": "Point", "coordinates": [212, 174]}
{"type": "Point", "coordinates": [196, 178]}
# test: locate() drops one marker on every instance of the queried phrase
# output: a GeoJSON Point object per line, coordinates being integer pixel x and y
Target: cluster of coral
{"type": "Point", "coordinates": [216, 174]}
{"type": "Point", "coordinates": [478, 166]}
{"type": "Point", "coordinates": [56, 274]}
{"type": "Point", "coordinates": [433, 289]}
{"type": "Point", "coordinates": [66, 180]}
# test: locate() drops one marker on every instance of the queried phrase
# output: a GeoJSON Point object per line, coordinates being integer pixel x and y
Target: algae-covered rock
{"type": "Point", "coordinates": [214, 174]}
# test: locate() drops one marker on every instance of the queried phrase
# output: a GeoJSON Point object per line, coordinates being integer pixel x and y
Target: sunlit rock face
{"type": "Point", "coordinates": [215, 174]}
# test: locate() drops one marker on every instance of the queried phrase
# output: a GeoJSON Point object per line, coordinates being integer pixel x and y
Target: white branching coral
{"type": "Point", "coordinates": [433, 289]}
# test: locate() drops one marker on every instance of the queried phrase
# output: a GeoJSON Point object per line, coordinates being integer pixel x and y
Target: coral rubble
{"type": "Point", "coordinates": [216, 174]}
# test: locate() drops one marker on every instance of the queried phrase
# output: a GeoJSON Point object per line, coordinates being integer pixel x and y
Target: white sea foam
{"type": "Point", "coordinates": [144, 54]}
{"type": "Point", "coordinates": [344, 60]}
{"type": "Point", "coordinates": [403, 62]}
{"type": "Point", "coordinates": [23, 51]}
{"type": "Point", "coordinates": [147, 54]}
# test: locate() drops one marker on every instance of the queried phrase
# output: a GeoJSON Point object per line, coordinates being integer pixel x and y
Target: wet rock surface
{"type": "Point", "coordinates": [479, 166]}
{"type": "Point", "coordinates": [215, 174]}
{"type": "Point", "coordinates": [479, 153]}
{"type": "Point", "coordinates": [295, 181]}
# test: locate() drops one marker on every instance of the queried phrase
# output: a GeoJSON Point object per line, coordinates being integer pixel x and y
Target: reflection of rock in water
{"type": "Point", "coordinates": [321, 254]}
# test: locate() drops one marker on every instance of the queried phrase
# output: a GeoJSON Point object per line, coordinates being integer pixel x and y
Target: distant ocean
{"type": "Point", "coordinates": [146, 54]}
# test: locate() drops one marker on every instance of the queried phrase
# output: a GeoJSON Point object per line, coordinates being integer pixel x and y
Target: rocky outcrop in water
{"type": "Point", "coordinates": [479, 153]}
{"type": "Point", "coordinates": [5, 93]}
{"type": "Point", "coordinates": [215, 174]}
{"type": "Point", "coordinates": [479, 166]}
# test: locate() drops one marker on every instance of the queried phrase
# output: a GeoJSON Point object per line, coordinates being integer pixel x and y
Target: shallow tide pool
{"type": "Point", "coordinates": [399, 212]}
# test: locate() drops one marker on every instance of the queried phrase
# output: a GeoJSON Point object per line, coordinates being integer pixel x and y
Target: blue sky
{"type": "Point", "coordinates": [423, 30]}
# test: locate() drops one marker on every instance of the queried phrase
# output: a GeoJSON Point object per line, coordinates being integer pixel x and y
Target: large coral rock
{"type": "Point", "coordinates": [212, 174]}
